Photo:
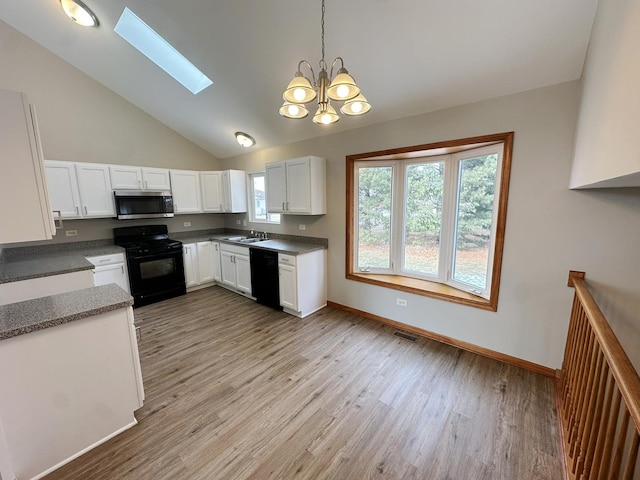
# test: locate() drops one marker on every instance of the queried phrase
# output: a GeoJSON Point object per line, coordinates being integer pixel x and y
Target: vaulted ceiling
{"type": "Point", "coordinates": [408, 56]}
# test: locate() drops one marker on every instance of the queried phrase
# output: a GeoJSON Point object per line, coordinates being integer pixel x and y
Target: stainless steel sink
{"type": "Point", "coordinates": [241, 239]}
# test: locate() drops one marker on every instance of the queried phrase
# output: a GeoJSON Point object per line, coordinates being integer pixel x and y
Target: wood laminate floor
{"type": "Point", "coordinates": [235, 390]}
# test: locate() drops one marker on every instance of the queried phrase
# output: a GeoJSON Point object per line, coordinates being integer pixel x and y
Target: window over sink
{"type": "Point", "coordinates": [258, 200]}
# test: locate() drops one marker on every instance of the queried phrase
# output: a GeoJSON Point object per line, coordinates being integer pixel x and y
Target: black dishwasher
{"type": "Point", "coordinates": [264, 277]}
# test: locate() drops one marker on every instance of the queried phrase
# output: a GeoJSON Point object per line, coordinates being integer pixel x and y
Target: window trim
{"type": "Point", "coordinates": [252, 201]}
{"type": "Point", "coordinates": [425, 287]}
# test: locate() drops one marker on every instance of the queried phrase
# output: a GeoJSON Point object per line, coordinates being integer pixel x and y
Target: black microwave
{"type": "Point", "coordinates": [131, 204]}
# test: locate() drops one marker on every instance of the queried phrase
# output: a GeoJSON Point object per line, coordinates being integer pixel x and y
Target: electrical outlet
{"type": "Point", "coordinates": [71, 233]}
{"type": "Point", "coordinates": [401, 301]}
{"type": "Point", "coordinates": [237, 222]}
{"type": "Point", "coordinates": [244, 222]}
{"type": "Point", "coordinates": [187, 224]}
{"type": "Point", "coordinates": [302, 226]}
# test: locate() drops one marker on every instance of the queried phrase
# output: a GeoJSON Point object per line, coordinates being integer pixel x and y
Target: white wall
{"type": "Point", "coordinates": [607, 141]}
{"type": "Point", "coordinates": [550, 229]}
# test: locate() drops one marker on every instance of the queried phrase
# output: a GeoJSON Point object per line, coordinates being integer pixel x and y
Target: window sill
{"type": "Point", "coordinates": [427, 289]}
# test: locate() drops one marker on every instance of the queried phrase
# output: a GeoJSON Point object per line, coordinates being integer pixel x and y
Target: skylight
{"type": "Point", "coordinates": [160, 52]}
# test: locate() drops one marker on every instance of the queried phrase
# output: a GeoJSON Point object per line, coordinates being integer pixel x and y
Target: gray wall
{"type": "Point", "coordinates": [550, 229]}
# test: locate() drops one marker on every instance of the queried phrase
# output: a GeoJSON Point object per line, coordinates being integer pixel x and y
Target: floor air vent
{"type": "Point", "coordinates": [406, 335]}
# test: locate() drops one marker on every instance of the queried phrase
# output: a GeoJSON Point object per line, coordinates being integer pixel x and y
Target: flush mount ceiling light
{"type": "Point", "coordinates": [342, 88]}
{"type": "Point", "coordinates": [245, 139]}
{"type": "Point", "coordinates": [145, 39]}
{"type": "Point", "coordinates": [79, 13]}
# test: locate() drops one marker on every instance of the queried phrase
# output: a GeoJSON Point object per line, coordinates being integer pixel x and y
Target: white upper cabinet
{"type": "Point", "coordinates": [276, 187]}
{"type": "Point", "coordinates": [80, 190]}
{"type": "Point", "coordinates": [185, 187]}
{"type": "Point", "coordinates": [96, 195]}
{"type": "Point", "coordinates": [26, 213]}
{"type": "Point", "coordinates": [297, 186]}
{"type": "Point", "coordinates": [156, 179]}
{"type": "Point", "coordinates": [224, 192]}
{"type": "Point", "coordinates": [124, 177]}
{"type": "Point", "coordinates": [211, 183]}
{"type": "Point", "coordinates": [234, 191]}
{"type": "Point", "coordinates": [62, 183]}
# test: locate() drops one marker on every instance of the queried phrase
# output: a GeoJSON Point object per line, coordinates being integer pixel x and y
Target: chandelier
{"type": "Point", "coordinates": [342, 88]}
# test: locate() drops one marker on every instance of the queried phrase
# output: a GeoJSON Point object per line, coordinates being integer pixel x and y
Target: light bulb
{"type": "Point", "coordinates": [356, 107]}
{"type": "Point", "coordinates": [293, 110]}
{"type": "Point", "coordinates": [342, 91]}
{"type": "Point", "coordinates": [299, 94]}
{"type": "Point", "coordinates": [326, 119]}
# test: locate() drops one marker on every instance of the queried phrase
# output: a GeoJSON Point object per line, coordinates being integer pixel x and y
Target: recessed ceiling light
{"type": "Point", "coordinates": [79, 13]}
{"type": "Point", "coordinates": [245, 139]}
{"type": "Point", "coordinates": [159, 51]}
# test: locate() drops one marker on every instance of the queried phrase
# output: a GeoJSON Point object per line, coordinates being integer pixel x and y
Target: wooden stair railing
{"type": "Point", "coordinates": [598, 396]}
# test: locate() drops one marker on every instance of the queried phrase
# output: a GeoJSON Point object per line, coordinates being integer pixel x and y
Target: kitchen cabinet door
{"type": "Point", "coordinates": [125, 178]}
{"type": "Point", "coordinates": [26, 211]}
{"type": "Point", "coordinates": [205, 262]}
{"type": "Point", "coordinates": [212, 195]}
{"type": "Point", "coordinates": [228, 268]}
{"type": "Point", "coordinates": [190, 257]}
{"type": "Point", "coordinates": [234, 191]}
{"type": "Point", "coordinates": [288, 286]}
{"type": "Point", "coordinates": [185, 187]}
{"type": "Point", "coordinates": [96, 195]}
{"type": "Point", "coordinates": [276, 187]}
{"type": "Point", "coordinates": [106, 274]}
{"type": "Point", "coordinates": [297, 186]}
{"type": "Point", "coordinates": [62, 183]}
{"type": "Point", "coordinates": [156, 179]}
{"type": "Point", "coordinates": [217, 268]}
{"type": "Point", "coordinates": [243, 273]}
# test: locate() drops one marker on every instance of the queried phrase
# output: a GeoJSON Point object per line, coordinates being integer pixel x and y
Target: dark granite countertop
{"type": "Point", "coordinates": [24, 266]}
{"type": "Point", "coordinates": [280, 245]}
{"type": "Point", "coordinates": [45, 312]}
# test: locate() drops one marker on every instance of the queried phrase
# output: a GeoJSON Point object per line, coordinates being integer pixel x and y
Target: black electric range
{"type": "Point", "coordinates": [154, 261]}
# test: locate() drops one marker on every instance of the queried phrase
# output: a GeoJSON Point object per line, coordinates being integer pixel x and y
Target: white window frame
{"type": "Point", "coordinates": [451, 191]}
{"type": "Point", "coordinates": [252, 202]}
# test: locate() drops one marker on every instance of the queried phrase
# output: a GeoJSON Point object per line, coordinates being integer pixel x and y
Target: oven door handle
{"type": "Point", "coordinates": [157, 256]}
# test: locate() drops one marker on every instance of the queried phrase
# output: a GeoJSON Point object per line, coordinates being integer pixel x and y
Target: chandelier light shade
{"type": "Point", "coordinates": [356, 106]}
{"type": "Point", "coordinates": [341, 88]}
{"type": "Point", "coordinates": [79, 13]}
{"type": "Point", "coordinates": [293, 110]}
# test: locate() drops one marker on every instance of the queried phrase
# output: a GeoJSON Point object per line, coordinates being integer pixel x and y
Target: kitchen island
{"type": "Point", "coordinates": [70, 377]}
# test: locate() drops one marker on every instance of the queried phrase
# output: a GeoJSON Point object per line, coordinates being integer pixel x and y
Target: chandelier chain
{"type": "Point", "coordinates": [322, 30]}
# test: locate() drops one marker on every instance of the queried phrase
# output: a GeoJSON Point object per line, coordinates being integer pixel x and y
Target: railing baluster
{"type": "Point", "coordinates": [632, 458]}
{"type": "Point", "coordinates": [599, 396]}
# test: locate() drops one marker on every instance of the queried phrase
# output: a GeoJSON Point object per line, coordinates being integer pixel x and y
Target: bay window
{"type": "Point", "coordinates": [430, 219]}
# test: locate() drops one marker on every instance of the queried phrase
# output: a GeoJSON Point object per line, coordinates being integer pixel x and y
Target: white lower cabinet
{"type": "Point", "coordinates": [31, 288]}
{"type": "Point", "coordinates": [190, 259]}
{"type": "Point", "coordinates": [65, 390]}
{"type": "Point", "coordinates": [235, 268]}
{"type": "Point", "coordinates": [303, 282]}
{"type": "Point", "coordinates": [199, 264]}
{"type": "Point", "coordinates": [110, 269]}
{"type": "Point", "coordinates": [205, 262]}
{"type": "Point", "coordinates": [217, 267]}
